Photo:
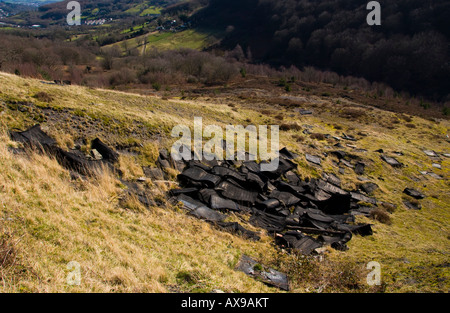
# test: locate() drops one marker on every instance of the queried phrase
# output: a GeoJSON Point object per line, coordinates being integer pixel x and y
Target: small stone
{"type": "Point", "coordinates": [437, 165]}
{"type": "Point", "coordinates": [434, 175]}
{"type": "Point", "coordinates": [313, 159]}
{"type": "Point", "coordinates": [430, 153]}
{"type": "Point", "coordinates": [414, 193]}
{"type": "Point", "coordinates": [96, 155]}
{"type": "Point", "coordinates": [359, 168]}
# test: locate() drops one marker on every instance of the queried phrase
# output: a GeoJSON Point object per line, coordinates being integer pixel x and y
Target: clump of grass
{"type": "Point", "coordinates": [352, 113]}
{"type": "Point", "coordinates": [149, 154]}
{"type": "Point", "coordinates": [406, 118]}
{"type": "Point", "coordinates": [131, 202]}
{"type": "Point", "coordinates": [129, 167]}
{"type": "Point", "coordinates": [299, 138]}
{"type": "Point", "coordinates": [388, 207]}
{"type": "Point", "coordinates": [8, 251]}
{"type": "Point", "coordinates": [312, 274]}
{"type": "Point", "coordinates": [279, 117]}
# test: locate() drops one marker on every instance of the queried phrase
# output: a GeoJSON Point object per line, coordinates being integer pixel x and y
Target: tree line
{"type": "Point", "coordinates": [409, 51]}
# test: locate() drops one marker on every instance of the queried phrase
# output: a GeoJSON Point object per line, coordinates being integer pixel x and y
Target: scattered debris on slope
{"type": "Point", "coordinates": [303, 216]}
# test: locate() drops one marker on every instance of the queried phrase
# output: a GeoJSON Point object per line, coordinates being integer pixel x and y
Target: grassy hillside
{"type": "Point", "coordinates": [48, 220]}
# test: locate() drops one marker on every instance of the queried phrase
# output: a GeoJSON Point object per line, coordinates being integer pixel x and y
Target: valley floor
{"type": "Point", "coordinates": [48, 220]}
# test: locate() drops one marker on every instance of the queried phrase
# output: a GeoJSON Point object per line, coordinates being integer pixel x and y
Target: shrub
{"type": "Point", "coordinates": [292, 126]}
{"type": "Point", "coordinates": [381, 215]}
{"type": "Point", "coordinates": [43, 96]}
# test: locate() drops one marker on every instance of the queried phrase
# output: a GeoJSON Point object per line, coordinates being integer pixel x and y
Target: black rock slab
{"type": "Point", "coordinates": [205, 195]}
{"type": "Point", "coordinates": [106, 152]}
{"type": "Point", "coordinates": [288, 154]}
{"type": "Point", "coordinates": [348, 137]}
{"type": "Point", "coordinates": [219, 203]}
{"type": "Point", "coordinates": [33, 137]}
{"type": "Point", "coordinates": [233, 192]}
{"type": "Point", "coordinates": [284, 165]}
{"type": "Point", "coordinates": [306, 112]}
{"type": "Point", "coordinates": [186, 191]}
{"type": "Point", "coordinates": [368, 187]}
{"type": "Point", "coordinates": [332, 179]}
{"type": "Point", "coordinates": [75, 162]}
{"type": "Point", "coordinates": [261, 273]}
{"type": "Point", "coordinates": [198, 174]}
{"type": "Point", "coordinates": [189, 203]}
{"type": "Point", "coordinates": [239, 230]}
{"type": "Point", "coordinates": [360, 229]}
{"type": "Point", "coordinates": [226, 172]}
{"type": "Point", "coordinates": [292, 178]}
{"type": "Point", "coordinates": [285, 198]}
{"type": "Point", "coordinates": [360, 197]}
{"type": "Point", "coordinates": [271, 223]}
{"type": "Point", "coordinates": [391, 161]}
{"type": "Point", "coordinates": [339, 154]}
{"type": "Point", "coordinates": [207, 214]}
{"type": "Point", "coordinates": [359, 168]}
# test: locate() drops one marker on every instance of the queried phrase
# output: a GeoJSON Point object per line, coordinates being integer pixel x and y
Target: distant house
{"type": "Point", "coordinates": [96, 22]}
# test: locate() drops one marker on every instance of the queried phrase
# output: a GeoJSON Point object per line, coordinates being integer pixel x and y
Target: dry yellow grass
{"type": "Point", "coordinates": [118, 250]}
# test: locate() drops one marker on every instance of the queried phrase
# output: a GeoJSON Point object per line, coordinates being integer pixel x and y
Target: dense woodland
{"type": "Point", "coordinates": [409, 51]}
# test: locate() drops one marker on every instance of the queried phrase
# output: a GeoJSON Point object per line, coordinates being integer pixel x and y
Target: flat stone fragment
{"type": "Point", "coordinates": [96, 155]}
{"type": "Point", "coordinates": [436, 165]}
{"type": "Point", "coordinates": [391, 161]}
{"type": "Point", "coordinates": [412, 206]}
{"type": "Point", "coordinates": [434, 175]}
{"type": "Point", "coordinates": [346, 163]}
{"type": "Point", "coordinates": [359, 168]}
{"type": "Point", "coordinates": [413, 193]}
{"type": "Point", "coordinates": [369, 187]}
{"type": "Point", "coordinates": [313, 159]}
{"type": "Point", "coordinates": [430, 153]}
